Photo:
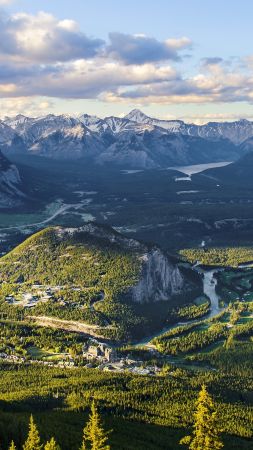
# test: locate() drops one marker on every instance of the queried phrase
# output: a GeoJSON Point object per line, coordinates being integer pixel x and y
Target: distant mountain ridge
{"type": "Point", "coordinates": [134, 141]}
{"type": "Point", "coordinates": [237, 132]}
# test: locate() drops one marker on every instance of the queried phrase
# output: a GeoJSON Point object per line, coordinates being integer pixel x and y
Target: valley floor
{"type": "Point", "coordinates": [207, 339]}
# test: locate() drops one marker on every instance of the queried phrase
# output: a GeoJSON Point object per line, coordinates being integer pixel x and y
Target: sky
{"type": "Point", "coordinates": [183, 59]}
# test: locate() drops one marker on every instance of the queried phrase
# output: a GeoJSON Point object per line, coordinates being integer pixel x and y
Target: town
{"type": "Point", "coordinates": [105, 357]}
{"type": "Point", "coordinates": [95, 355]}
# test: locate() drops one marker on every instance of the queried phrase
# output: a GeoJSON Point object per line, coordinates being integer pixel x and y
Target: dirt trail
{"type": "Point", "coordinates": [68, 325]}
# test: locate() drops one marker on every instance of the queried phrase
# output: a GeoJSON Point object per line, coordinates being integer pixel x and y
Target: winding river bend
{"type": "Point", "coordinates": [209, 284]}
{"type": "Point", "coordinates": [209, 289]}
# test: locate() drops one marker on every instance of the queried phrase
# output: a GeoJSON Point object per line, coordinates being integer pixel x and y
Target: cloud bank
{"type": "Point", "coordinates": [41, 55]}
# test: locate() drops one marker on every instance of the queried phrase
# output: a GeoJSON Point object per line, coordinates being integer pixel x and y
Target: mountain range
{"type": "Point", "coordinates": [134, 141]}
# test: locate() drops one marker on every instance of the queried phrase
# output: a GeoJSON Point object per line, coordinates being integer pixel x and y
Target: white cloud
{"type": "Point", "coordinates": [140, 49]}
{"type": "Point", "coordinates": [43, 56]}
{"type": "Point", "coordinates": [90, 79]}
{"type": "Point", "coordinates": [201, 119]}
{"type": "Point", "coordinates": [7, 88]}
{"type": "Point", "coordinates": [24, 105]}
{"type": "Point", "coordinates": [41, 38]}
{"type": "Point", "coordinates": [5, 2]}
{"type": "Point", "coordinates": [69, 25]}
{"type": "Point", "coordinates": [216, 82]}
{"type": "Point", "coordinates": [178, 44]}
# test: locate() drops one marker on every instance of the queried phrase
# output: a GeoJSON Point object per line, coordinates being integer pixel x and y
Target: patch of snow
{"type": "Point", "coordinates": [183, 179]}
{"type": "Point", "coordinates": [127, 172]}
{"type": "Point", "coordinates": [87, 217]}
{"type": "Point", "coordinates": [187, 192]}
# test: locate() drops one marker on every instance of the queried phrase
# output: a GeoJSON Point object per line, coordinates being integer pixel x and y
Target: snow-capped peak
{"type": "Point", "coordinates": [137, 116]}
{"type": "Point", "coordinates": [94, 123]}
{"type": "Point", "coordinates": [135, 140]}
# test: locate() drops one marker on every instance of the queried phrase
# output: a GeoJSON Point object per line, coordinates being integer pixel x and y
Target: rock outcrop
{"type": "Point", "coordinates": [11, 194]}
{"type": "Point", "coordinates": [159, 280]}
{"type": "Point", "coordinates": [159, 277]}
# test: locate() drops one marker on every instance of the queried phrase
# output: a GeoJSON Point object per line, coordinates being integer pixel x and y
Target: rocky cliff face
{"type": "Point", "coordinates": [10, 184]}
{"type": "Point", "coordinates": [10, 141]}
{"type": "Point", "coordinates": [70, 143]}
{"type": "Point", "coordinates": [160, 279]}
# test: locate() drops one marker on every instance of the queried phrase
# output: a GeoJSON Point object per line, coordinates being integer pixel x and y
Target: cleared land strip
{"type": "Point", "coordinates": [69, 325]}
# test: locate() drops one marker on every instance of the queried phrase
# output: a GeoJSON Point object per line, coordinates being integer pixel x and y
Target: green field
{"type": "Point", "coordinates": [235, 323]}
{"type": "Point", "coordinates": [38, 353]}
{"type": "Point", "coordinates": [224, 257]}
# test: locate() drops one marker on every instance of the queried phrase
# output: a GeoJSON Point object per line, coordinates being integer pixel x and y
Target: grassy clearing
{"type": "Point", "coordinates": [226, 256]}
{"type": "Point", "coordinates": [41, 354]}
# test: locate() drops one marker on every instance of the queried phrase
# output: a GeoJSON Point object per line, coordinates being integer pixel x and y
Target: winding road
{"type": "Point", "coordinates": [63, 208]}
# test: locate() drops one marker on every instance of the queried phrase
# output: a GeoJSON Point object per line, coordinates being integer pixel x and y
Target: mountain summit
{"type": "Point", "coordinates": [135, 141]}
{"type": "Point", "coordinates": [137, 116]}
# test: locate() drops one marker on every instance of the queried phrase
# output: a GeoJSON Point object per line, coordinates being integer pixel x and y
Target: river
{"type": "Point", "coordinates": [198, 168]}
{"type": "Point", "coordinates": [209, 284]}
{"type": "Point", "coordinates": [209, 289]}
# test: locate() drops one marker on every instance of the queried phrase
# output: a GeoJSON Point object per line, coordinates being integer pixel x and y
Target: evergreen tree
{"type": "Point", "coordinates": [94, 436]}
{"type": "Point", "coordinates": [52, 445]}
{"type": "Point", "coordinates": [12, 446]}
{"type": "Point", "coordinates": [33, 439]}
{"type": "Point", "coordinates": [205, 434]}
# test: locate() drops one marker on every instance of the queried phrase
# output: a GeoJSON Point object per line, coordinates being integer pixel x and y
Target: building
{"type": "Point", "coordinates": [95, 350]}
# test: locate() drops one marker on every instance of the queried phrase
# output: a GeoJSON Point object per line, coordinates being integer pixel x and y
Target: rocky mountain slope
{"type": "Point", "coordinates": [31, 129]}
{"type": "Point", "coordinates": [135, 141]}
{"type": "Point", "coordinates": [113, 124]}
{"type": "Point", "coordinates": [174, 126]}
{"type": "Point", "coordinates": [239, 173]}
{"type": "Point", "coordinates": [94, 275]}
{"type": "Point", "coordinates": [10, 141]}
{"type": "Point", "coordinates": [158, 277]}
{"type": "Point", "coordinates": [156, 149]}
{"type": "Point", "coordinates": [236, 132]}
{"type": "Point", "coordinates": [11, 194]}
{"type": "Point", "coordinates": [68, 143]}
{"type": "Point", "coordinates": [119, 265]}
{"type": "Point", "coordinates": [247, 146]}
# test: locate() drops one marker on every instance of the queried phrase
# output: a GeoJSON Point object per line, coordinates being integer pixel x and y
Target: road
{"type": "Point", "coordinates": [63, 208]}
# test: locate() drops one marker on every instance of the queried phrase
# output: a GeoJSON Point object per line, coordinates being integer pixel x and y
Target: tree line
{"type": "Point", "coordinates": [205, 431]}
{"type": "Point", "coordinates": [94, 435]}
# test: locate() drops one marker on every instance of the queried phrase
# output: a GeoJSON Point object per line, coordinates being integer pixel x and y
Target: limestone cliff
{"type": "Point", "coordinates": [159, 280]}
{"type": "Point", "coordinates": [159, 277]}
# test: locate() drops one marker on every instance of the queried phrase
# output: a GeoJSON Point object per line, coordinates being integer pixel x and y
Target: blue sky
{"type": "Point", "coordinates": [188, 59]}
{"type": "Point", "coordinates": [214, 25]}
